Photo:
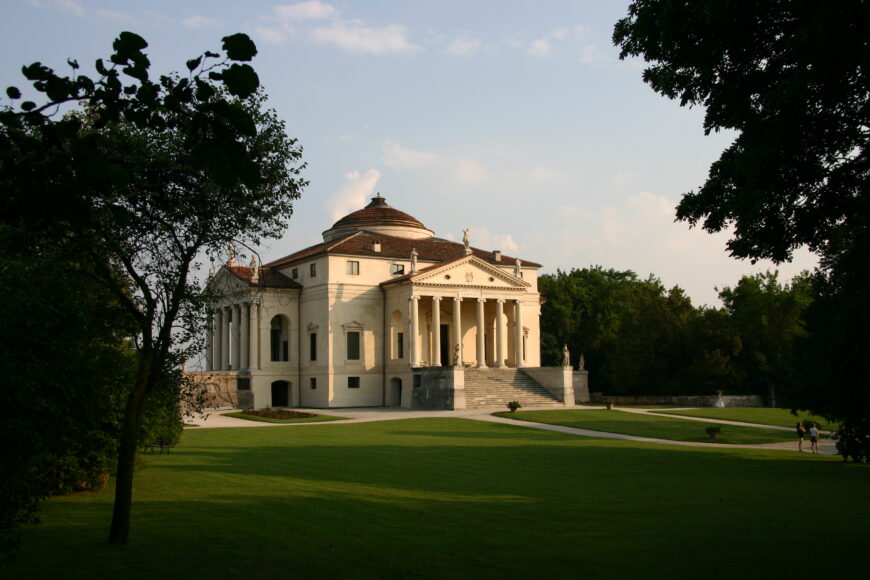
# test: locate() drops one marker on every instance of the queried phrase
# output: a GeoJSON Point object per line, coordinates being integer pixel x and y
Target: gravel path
{"type": "Point", "coordinates": [218, 419]}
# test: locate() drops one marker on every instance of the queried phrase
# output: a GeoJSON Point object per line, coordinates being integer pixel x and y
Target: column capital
{"type": "Point", "coordinates": [481, 299]}
{"type": "Point", "coordinates": [500, 300]}
{"type": "Point", "coordinates": [437, 298]}
{"type": "Point", "coordinates": [457, 298]}
{"type": "Point", "coordinates": [414, 298]}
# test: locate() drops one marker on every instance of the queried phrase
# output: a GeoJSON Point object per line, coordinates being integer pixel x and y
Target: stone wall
{"type": "Point", "coordinates": [558, 381]}
{"type": "Point", "coordinates": [438, 388]}
{"type": "Point", "coordinates": [680, 400]}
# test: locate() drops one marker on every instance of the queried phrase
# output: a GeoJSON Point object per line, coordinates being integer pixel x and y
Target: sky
{"type": "Point", "coordinates": [512, 118]}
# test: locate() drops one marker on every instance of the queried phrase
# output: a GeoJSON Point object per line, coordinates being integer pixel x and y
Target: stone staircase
{"type": "Point", "coordinates": [496, 387]}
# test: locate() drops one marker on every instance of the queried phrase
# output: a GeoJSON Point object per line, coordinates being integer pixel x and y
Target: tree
{"type": "Point", "coordinates": [791, 78]}
{"type": "Point", "coordinates": [148, 179]}
{"type": "Point", "coordinates": [767, 317]}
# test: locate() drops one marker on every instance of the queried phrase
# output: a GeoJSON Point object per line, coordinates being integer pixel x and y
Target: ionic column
{"type": "Point", "coordinates": [254, 332]}
{"type": "Point", "coordinates": [225, 339]}
{"type": "Point", "coordinates": [217, 363]}
{"type": "Point", "coordinates": [518, 341]}
{"type": "Point", "coordinates": [233, 331]}
{"type": "Point", "coordinates": [244, 331]}
{"type": "Point", "coordinates": [481, 347]}
{"type": "Point", "coordinates": [415, 328]}
{"type": "Point", "coordinates": [499, 333]}
{"type": "Point", "coordinates": [457, 330]}
{"type": "Point", "coordinates": [436, 330]}
{"type": "Point", "coordinates": [209, 338]}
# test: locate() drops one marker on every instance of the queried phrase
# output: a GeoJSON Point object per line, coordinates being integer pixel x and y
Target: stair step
{"type": "Point", "coordinates": [497, 387]}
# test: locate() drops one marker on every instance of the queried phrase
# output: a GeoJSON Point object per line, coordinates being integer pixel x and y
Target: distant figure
{"type": "Point", "coordinates": [566, 357]}
{"type": "Point", "coordinates": [582, 364]}
{"type": "Point", "coordinates": [801, 431]}
{"type": "Point", "coordinates": [814, 438]}
{"type": "Point", "coordinates": [720, 401]}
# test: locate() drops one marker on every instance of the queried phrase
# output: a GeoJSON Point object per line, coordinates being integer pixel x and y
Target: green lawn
{"type": "Point", "coordinates": [315, 419]}
{"type": "Point", "coordinates": [616, 421]}
{"type": "Point", "coordinates": [759, 415]}
{"type": "Point", "coordinates": [454, 498]}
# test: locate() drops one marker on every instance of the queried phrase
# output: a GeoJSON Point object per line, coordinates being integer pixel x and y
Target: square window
{"type": "Point", "coordinates": [397, 269]}
{"type": "Point", "coordinates": [295, 273]}
{"type": "Point", "coordinates": [353, 267]}
{"type": "Point", "coordinates": [312, 270]}
{"type": "Point", "coordinates": [352, 382]}
{"type": "Point", "coordinates": [353, 350]}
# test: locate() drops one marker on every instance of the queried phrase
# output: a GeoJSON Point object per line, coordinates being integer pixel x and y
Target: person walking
{"type": "Point", "coordinates": [814, 438]}
{"type": "Point", "coordinates": [801, 431]}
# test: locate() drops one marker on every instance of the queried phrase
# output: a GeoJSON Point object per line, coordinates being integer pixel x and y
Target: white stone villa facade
{"type": "Point", "coordinates": [382, 313]}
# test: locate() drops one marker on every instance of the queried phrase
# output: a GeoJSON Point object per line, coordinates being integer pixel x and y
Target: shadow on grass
{"type": "Point", "coordinates": [447, 499]}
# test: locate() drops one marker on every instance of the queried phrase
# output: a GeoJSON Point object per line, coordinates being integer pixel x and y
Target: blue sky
{"type": "Point", "coordinates": [512, 118]}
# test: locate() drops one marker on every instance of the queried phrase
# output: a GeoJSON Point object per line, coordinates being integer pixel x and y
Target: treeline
{"type": "Point", "coordinates": [640, 338]}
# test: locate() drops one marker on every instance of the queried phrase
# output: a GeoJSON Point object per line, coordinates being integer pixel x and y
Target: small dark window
{"type": "Point", "coordinates": [398, 269]}
{"type": "Point", "coordinates": [353, 345]}
{"type": "Point", "coordinates": [352, 382]}
{"type": "Point", "coordinates": [400, 345]}
{"type": "Point", "coordinates": [353, 267]}
{"type": "Point", "coordinates": [243, 384]}
{"type": "Point", "coordinates": [295, 273]}
{"type": "Point", "coordinates": [313, 345]}
{"type": "Point", "coordinates": [313, 270]}
{"type": "Point", "coordinates": [313, 382]}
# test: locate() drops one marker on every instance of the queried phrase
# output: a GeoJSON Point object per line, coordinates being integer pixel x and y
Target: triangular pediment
{"type": "Point", "coordinates": [469, 271]}
{"type": "Point", "coordinates": [225, 282]}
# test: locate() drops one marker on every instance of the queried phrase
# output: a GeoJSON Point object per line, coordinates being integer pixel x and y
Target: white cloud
{"type": "Point", "coordinates": [485, 240]}
{"type": "Point", "coordinates": [354, 193]}
{"type": "Point", "coordinates": [198, 21]}
{"type": "Point", "coordinates": [468, 172]}
{"type": "Point", "coordinates": [354, 36]}
{"type": "Point", "coordinates": [305, 11]}
{"type": "Point", "coordinates": [463, 46]}
{"type": "Point", "coordinates": [272, 35]}
{"type": "Point", "coordinates": [72, 6]}
{"type": "Point", "coordinates": [592, 53]}
{"type": "Point", "coordinates": [540, 47]}
{"type": "Point", "coordinates": [405, 158]}
{"type": "Point", "coordinates": [640, 234]}
{"type": "Point", "coordinates": [114, 15]}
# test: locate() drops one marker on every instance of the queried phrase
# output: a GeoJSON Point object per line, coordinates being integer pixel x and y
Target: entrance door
{"type": "Point", "coordinates": [446, 350]}
{"type": "Point", "coordinates": [280, 394]}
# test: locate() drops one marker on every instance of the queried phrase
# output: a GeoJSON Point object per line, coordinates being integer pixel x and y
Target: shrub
{"type": "Point", "coordinates": [713, 431]}
{"type": "Point", "coordinates": [514, 405]}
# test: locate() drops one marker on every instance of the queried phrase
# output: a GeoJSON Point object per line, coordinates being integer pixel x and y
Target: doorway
{"type": "Point", "coordinates": [280, 394]}
{"type": "Point", "coordinates": [445, 345]}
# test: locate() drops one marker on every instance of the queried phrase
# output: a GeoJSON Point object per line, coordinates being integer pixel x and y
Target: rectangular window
{"type": "Point", "coordinates": [313, 270]}
{"type": "Point", "coordinates": [243, 384]}
{"type": "Point", "coordinates": [353, 345]}
{"type": "Point", "coordinates": [398, 269]}
{"type": "Point", "coordinates": [312, 338]}
{"type": "Point", "coordinates": [353, 267]}
{"type": "Point", "coordinates": [400, 345]}
{"type": "Point", "coordinates": [313, 382]}
{"type": "Point", "coordinates": [275, 343]}
{"type": "Point", "coordinates": [295, 273]}
{"type": "Point", "coordinates": [352, 382]}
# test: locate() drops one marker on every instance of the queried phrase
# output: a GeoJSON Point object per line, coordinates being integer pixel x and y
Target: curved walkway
{"type": "Point", "coordinates": [216, 419]}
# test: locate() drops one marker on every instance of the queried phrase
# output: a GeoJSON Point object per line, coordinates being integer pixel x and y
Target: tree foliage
{"type": "Point", "coordinates": [150, 176]}
{"type": "Point", "coordinates": [791, 78]}
{"type": "Point", "coordinates": [640, 338]}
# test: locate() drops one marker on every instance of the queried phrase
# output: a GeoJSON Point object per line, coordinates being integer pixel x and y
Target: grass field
{"type": "Point", "coordinates": [454, 498]}
{"type": "Point", "coordinates": [759, 415]}
{"type": "Point", "coordinates": [616, 421]}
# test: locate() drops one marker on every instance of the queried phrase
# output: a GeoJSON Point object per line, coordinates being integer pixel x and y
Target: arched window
{"type": "Point", "coordinates": [280, 339]}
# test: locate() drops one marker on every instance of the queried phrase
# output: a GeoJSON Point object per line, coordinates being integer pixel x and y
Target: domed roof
{"type": "Point", "coordinates": [378, 216]}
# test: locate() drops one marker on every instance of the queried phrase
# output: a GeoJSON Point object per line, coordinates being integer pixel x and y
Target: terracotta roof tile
{"type": "Point", "coordinates": [268, 278]}
{"type": "Point", "coordinates": [428, 250]}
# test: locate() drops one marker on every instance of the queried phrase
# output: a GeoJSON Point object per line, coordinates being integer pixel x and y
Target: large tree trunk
{"type": "Point", "coordinates": [120, 528]}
